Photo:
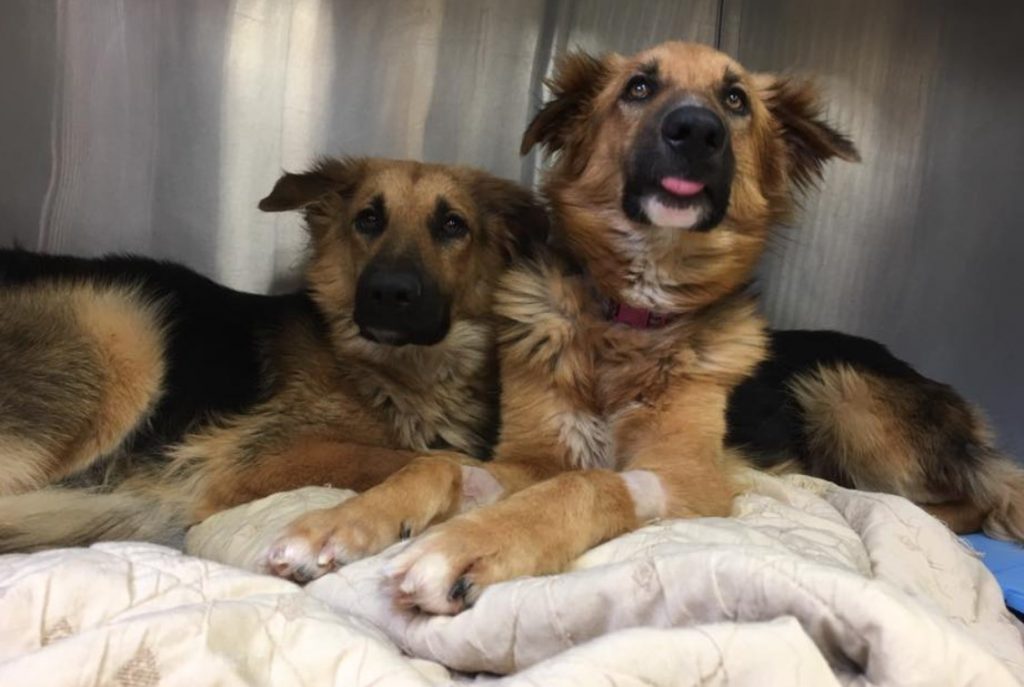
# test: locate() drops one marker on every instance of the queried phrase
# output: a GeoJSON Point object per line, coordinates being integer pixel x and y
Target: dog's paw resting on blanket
{"type": "Point", "coordinates": [530, 533]}
{"type": "Point", "coordinates": [445, 570]}
{"type": "Point", "coordinates": [539, 530]}
{"type": "Point", "coordinates": [323, 540]}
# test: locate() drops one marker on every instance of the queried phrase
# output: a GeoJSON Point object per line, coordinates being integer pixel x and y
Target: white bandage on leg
{"type": "Point", "coordinates": [479, 488]}
{"type": "Point", "coordinates": [647, 493]}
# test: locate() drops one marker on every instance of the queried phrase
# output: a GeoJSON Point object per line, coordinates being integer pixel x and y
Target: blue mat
{"type": "Point", "coordinates": [1006, 561]}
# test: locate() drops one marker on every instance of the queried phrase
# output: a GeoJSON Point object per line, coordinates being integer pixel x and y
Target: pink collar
{"type": "Point", "coordinates": [638, 318]}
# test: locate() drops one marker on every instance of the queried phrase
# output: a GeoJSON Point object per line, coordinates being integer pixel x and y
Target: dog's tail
{"type": "Point", "coordinates": [998, 487]}
{"type": "Point", "coordinates": [53, 518]}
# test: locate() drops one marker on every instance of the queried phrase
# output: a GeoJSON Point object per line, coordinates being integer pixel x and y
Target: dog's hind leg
{"type": "Point", "coordinates": [913, 437]}
{"type": "Point", "coordinates": [960, 516]}
{"type": "Point", "coordinates": [80, 367]}
{"type": "Point", "coordinates": [50, 388]}
{"type": "Point", "coordinates": [997, 490]}
{"type": "Point", "coordinates": [993, 500]}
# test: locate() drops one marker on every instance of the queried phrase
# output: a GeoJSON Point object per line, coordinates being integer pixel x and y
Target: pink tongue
{"type": "Point", "coordinates": [681, 187]}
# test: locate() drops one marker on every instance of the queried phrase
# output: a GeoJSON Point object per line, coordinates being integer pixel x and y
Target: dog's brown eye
{"type": "Point", "coordinates": [453, 227]}
{"type": "Point", "coordinates": [368, 222]}
{"type": "Point", "coordinates": [735, 100]}
{"type": "Point", "coordinates": [639, 88]}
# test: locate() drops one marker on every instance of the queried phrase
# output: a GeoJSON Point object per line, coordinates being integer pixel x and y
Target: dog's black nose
{"type": "Point", "coordinates": [694, 131]}
{"type": "Point", "coordinates": [394, 291]}
{"type": "Point", "coordinates": [397, 303]}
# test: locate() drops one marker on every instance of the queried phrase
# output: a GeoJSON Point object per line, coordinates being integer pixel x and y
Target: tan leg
{"type": "Point", "coordinates": [681, 444]}
{"type": "Point", "coordinates": [678, 470]}
{"type": "Point", "coordinates": [537, 531]}
{"type": "Point", "coordinates": [308, 462]}
{"type": "Point", "coordinates": [428, 490]}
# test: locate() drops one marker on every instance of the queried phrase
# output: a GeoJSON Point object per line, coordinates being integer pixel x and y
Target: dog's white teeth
{"type": "Point", "coordinates": [671, 217]}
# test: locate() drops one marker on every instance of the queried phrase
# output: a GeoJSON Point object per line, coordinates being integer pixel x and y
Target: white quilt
{"type": "Point", "coordinates": [809, 585]}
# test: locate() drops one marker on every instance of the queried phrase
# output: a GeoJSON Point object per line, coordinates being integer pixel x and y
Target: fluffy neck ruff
{"type": "Point", "coordinates": [659, 274]}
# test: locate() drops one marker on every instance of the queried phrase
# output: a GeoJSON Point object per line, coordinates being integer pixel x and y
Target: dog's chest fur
{"type": "Point", "coordinates": [604, 374]}
{"type": "Point", "coordinates": [435, 397]}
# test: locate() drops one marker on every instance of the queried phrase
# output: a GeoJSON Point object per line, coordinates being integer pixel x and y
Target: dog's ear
{"type": "Point", "coordinates": [810, 141]}
{"type": "Point", "coordinates": [524, 218]}
{"type": "Point", "coordinates": [293, 191]}
{"type": "Point", "coordinates": [578, 79]}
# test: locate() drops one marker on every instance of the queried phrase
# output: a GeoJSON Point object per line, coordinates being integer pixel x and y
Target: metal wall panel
{"type": "Point", "coordinates": [920, 246]}
{"type": "Point", "coordinates": [626, 27]}
{"type": "Point", "coordinates": [28, 55]}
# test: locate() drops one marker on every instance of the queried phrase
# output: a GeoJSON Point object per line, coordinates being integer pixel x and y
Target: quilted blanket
{"type": "Point", "coordinates": [809, 584]}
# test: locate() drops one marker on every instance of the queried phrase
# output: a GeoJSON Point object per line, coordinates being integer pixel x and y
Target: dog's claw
{"type": "Point", "coordinates": [460, 590]}
{"type": "Point", "coordinates": [304, 574]}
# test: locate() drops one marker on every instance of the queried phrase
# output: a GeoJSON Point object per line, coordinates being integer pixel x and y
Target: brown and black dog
{"type": "Point", "coordinates": [625, 358]}
{"type": "Point", "coordinates": [138, 397]}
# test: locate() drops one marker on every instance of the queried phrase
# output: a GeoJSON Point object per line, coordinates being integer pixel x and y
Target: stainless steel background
{"type": "Point", "coordinates": [154, 126]}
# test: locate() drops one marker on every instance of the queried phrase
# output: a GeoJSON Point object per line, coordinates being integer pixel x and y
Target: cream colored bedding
{"type": "Point", "coordinates": [809, 585]}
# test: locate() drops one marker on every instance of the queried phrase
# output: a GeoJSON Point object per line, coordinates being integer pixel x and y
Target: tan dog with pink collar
{"type": "Point", "coordinates": [621, 348]}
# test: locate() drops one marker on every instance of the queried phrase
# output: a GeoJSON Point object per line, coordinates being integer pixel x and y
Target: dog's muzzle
{"type": "Point", "coordinates": [681, 170]}
{"type": "Point", "coordinates": [396, 304]}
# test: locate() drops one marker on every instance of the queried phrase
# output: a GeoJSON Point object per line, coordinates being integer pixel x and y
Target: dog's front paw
{"type": "Point", "coordinates": [324, 540]}
{"type": "Point", "coordinates": [445, 570]}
